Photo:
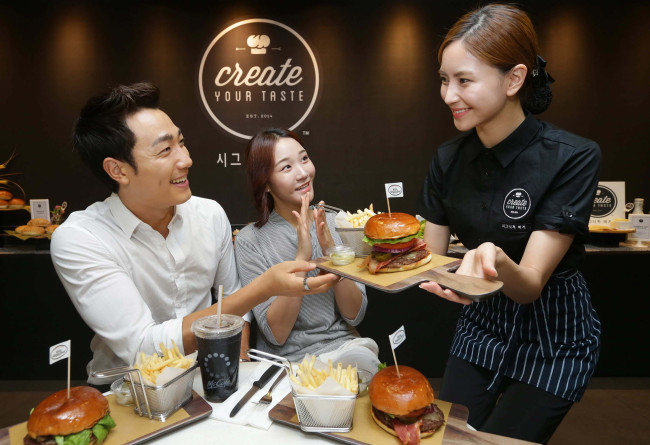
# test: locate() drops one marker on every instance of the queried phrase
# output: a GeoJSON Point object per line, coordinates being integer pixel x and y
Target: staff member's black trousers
{"type": "Point", "coordinates": [515, 410]}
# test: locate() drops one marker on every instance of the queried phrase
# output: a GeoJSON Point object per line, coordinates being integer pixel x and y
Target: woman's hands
{"type": "Point", "coordinates": [304, 251]}
{"type": "Point", "coordinates": [322, 230]}
{"type": "Point", "coordinates": [323, 233]}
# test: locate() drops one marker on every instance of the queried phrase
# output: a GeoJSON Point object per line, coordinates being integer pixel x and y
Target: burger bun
{"type": "Point", "coordinates": [51, 229]}
{"type": "Point", "coordinates": [58, 415]}
{"type": "Point", "coordinates": [391, 226]}
{"type": "Point", "coordinates": [30, 230]}
{"type": "Point", "coordinates": [5, 195]}
{"type": "Point", "coordinates": [41, 222]}
{"type": "Point", "coordinates": [400, 395]}
{"type": "Point", "coordinates": [16, 203]}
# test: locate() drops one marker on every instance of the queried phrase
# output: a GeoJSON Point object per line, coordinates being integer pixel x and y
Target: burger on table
{"type": "Point", "coordinates": [402, 404]}
{"type": "Point", "coordinates": [81, 419]}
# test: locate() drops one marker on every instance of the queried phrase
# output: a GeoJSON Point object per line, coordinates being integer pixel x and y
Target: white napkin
{"type": "Point", "coordinates": [252, 414]}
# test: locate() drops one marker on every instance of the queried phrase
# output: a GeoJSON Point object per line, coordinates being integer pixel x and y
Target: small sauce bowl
{"type": "Point", "coordinates": [341, 255]}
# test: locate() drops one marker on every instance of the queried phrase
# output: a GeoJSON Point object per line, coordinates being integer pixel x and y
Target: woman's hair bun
{"type": "Point", "coordinates": [538, 99]}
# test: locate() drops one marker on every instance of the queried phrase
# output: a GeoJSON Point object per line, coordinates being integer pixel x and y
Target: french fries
{"type": "Point", "coordinates": [311, 378]}
{"type": "Point", "coordinates": [359, 219]}
{"type": "Point", "coordinates": [151, 366]}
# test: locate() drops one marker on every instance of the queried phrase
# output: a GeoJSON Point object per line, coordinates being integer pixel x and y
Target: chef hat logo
{"type": "Point", "coordinates": [258, 43]}
{"type": "Point", "coordinates": [518, 195]}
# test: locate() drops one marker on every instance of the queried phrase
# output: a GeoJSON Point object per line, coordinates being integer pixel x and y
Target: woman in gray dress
{"type": "Point", "coordinates": [281, 176]}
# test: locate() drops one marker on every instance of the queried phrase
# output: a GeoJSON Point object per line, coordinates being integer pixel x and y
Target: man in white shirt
{"type": "Point", "coordinates": [140, 266]}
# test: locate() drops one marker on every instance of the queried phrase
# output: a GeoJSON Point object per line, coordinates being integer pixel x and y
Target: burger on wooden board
{"type": "Point", "coordinates": [397, 244]}
{"type": "Point", "coordinates": [403, 405]}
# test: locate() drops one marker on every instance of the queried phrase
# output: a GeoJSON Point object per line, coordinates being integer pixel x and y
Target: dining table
{"type": "Point", "coordinates": [286, 431]}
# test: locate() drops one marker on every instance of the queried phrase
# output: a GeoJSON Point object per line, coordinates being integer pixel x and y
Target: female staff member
{"type": "Point", "coordinates": [518, 193]}
{"type": "Point", "coordinates": [282, 178]}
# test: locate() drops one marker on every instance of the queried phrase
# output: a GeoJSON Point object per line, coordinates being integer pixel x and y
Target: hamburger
{"type": "Point", "coordinates": [41, 222]}
{"type": "Point", "coordinates": [397, 243]}
{"type": "Point", "coordinates": [80, 420]}
{"type": "Point", "coordinates": [30, 230]}
{"type": "Point", "coordinates": [403, 406]}
{"type": "Point", "coordinates": [16, 203]}
{"type": "Point", "coordinates": [6, 195]}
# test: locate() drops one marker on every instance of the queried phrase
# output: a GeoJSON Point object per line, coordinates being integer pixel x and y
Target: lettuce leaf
{"type": "Point", "coordinates": [100, 430]}
{"type": "Point", "coordinates": [81, 438]}
{"type": "Point", "coordinates": [420, 234]}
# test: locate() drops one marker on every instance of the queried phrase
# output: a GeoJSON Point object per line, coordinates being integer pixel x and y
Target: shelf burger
{"type": "Point", "coordinates": [397, 244]}
{"type": "Point", "coordinates": [79, 420]}
{"type": "Point", "coordinates": [403, 406]}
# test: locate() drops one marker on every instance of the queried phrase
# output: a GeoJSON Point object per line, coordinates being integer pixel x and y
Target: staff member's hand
{"type": "Point", "coordinates": [479, 262]}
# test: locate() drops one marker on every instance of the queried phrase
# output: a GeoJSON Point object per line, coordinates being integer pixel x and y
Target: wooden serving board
{"type": "Point", "coordinates": [365, 431]}
{"type": "Point", "coordinates": [438, 270]}
{"type": "Point", "coordinates": [605, 229]}
{"type": "Point", "coordinates": [131, 428]}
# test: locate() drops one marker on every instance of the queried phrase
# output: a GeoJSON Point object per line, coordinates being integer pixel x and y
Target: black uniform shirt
{"type": "Point", "coordinates": [538, 178]}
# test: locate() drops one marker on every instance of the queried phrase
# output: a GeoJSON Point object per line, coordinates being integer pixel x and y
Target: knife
{"type": "Point", "coordinates": [257, 385]}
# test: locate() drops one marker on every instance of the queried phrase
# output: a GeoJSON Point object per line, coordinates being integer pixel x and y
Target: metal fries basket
{"type": "Point", "coordinates": [316, 413]}
{"type": "Point", "coordinates": [324, 413]}
{"type": "Point", "coordinates": [354, 238]}
{"type": "Point", "coordinates": [156, 402]}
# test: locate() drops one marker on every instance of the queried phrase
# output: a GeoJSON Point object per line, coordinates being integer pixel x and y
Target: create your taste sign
{"type": "Point", "coordinates": [258, 73]}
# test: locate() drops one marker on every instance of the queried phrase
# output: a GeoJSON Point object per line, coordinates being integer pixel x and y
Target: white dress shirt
{"type": "Point", "coordinates": [131, 285]}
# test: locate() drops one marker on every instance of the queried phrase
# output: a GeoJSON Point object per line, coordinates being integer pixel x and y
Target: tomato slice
{"type": "Point", "coordinates": [396, 245]}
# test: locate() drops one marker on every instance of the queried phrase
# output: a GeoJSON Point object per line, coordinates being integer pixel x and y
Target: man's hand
{"type": "Point", "coordinates": [282, 279]}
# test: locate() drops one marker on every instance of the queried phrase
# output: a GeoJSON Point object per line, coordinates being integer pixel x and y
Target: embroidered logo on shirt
{"type": "Point", "coordinates": [517, 204]}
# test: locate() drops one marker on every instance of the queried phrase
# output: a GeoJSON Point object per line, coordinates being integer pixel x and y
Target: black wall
{"type": "Point", "coordinates": [379, 116]}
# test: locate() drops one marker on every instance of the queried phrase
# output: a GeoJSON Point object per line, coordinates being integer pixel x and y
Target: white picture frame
{"type": "Point", "coordinates": [40, 208]}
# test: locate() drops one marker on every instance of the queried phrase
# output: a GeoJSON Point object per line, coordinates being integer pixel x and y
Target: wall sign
{"type": "Point", "coordinates": [256, 74]}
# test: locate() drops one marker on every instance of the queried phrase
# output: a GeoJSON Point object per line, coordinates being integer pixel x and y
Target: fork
{"type": "Point", "coordinates": [328, 208]}
{"type": "Point", "coordinates": [267, 398]}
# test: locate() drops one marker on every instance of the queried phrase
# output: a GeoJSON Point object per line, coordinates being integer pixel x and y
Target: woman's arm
{"type": "Point", "coordinates": [283, 312]}
{"type": "Point", "coordinates": [349, 298]}
{"type": "Point", "coordinates": [524, 282]}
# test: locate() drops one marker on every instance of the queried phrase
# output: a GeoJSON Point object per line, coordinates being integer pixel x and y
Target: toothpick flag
{"type": "Point", "coordinates": [59, 352]}
{"type": "Point", "coordinates": [396, 339]}
{"type": "Point", "coordinates": [393, 190]}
